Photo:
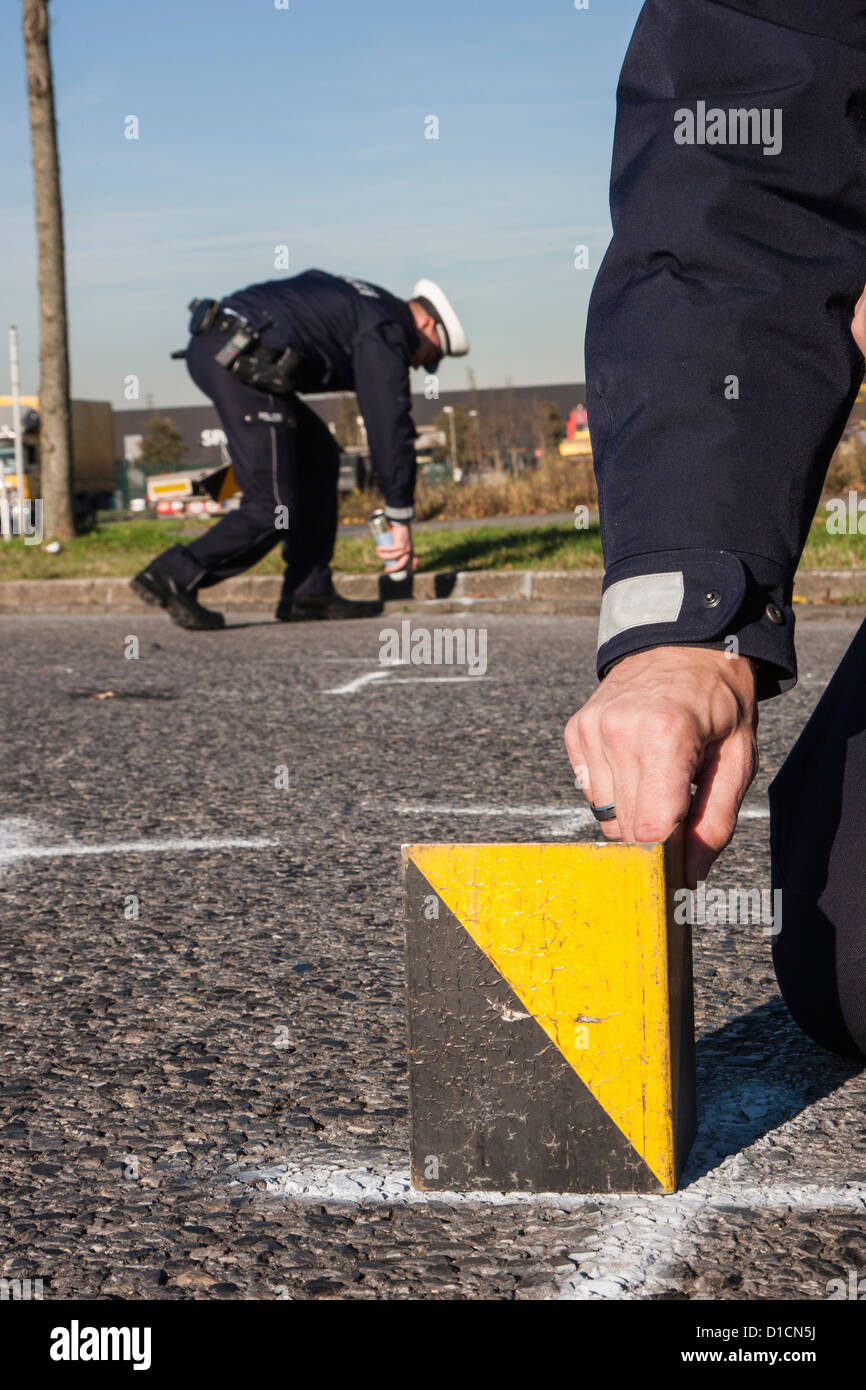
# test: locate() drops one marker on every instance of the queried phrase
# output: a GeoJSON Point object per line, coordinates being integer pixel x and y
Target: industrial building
{"type": "Point", "coordinates": [200, 427]}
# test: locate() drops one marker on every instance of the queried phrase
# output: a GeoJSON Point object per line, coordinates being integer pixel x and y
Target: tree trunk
{"type": "Point", "coordinates": [55, 441]}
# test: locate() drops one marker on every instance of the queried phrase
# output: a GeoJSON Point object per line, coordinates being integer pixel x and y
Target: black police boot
{"type": "Point", "coordinates": [310, 608]}
{"type": "Point", "coordinates": [155, 586]}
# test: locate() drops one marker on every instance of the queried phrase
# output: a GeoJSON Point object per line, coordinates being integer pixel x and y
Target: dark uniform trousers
{"type": "Point", "coordinates": [818, 843]}
{"type": "Point", "coordinates": [286, 463]}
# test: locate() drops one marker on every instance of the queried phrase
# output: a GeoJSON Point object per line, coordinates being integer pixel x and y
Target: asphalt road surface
{"type": "Point", "coordinates": [204, 1070]}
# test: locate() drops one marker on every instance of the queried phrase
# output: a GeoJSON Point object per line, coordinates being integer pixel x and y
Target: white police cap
{"type": "Point", "coordinates": [452, 337]}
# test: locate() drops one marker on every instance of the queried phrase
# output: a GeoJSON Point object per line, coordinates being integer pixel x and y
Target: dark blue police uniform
{"type": "Point", "coordinates": [350, 336]}
{"type": "Point", "coordinates": [720, 364]}
{"type": "Point", "coordinates": [720, 373]}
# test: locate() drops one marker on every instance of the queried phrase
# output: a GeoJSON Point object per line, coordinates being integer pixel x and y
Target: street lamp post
{"type": "Point", "coordinates": [476, 449]}
{"type": "Point", "coordinates": [449, 411]}
{"type": "Point", "coordinates": [16, 425]}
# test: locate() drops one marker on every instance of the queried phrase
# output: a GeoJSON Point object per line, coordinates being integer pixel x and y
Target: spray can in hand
{"type": "Point", "coordinates": [381, 533]}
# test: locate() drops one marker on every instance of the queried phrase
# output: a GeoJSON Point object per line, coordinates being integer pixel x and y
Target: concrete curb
{"type": "Point", "coordinates": [446, 591]}
{"type": "Point", "coordinates": [574, 592]}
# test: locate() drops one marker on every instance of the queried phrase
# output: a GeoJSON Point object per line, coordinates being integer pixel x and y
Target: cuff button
{"type": "Point", "coordinates": [774, 614]}
{"type": "Point", "coordinates": [712, 598]}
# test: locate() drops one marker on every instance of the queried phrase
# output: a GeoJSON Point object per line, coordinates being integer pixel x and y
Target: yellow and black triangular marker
{"type": "Point", "coordinates": [550, 1017]}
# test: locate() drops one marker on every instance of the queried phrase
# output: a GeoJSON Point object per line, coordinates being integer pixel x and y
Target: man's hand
{"type": "Point", "coordinates": [399, 555]}
{"type": "Point", "coordinates": [858, 324]}
{"type": "Point", "coordinates": [658, 722]}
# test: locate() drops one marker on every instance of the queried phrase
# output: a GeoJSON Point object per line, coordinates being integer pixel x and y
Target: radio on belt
{"type": "Point", "coordinates": [381, 533]}
{"type": "Point", "coordinates": [239, 342]}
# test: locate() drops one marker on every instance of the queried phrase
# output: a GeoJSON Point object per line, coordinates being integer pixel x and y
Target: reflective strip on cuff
{"type": "Point", "coordinates": [399, 513]}
{"type": "Point", "coordinates": [646, 598]}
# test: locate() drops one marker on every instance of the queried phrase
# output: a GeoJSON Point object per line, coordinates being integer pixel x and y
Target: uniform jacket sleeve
{"type": "Point", "coordinates": [720, 365]}
{"type": "Point", "coordinates": [382, 387]}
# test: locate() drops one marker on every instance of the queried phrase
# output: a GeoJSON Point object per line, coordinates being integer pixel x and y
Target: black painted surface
{"type": "Point", "coordinates": [681, 1003]}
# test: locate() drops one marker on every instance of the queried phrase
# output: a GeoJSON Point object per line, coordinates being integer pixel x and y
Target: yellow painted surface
{"type": "Point", "coordinates": [182, 488]}
{"type": "Point", "coordinates": [579, 445]}
{"type": "Point", "coordinates": [580, 934]}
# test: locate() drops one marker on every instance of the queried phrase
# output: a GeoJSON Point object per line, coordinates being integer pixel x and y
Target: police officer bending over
{"type": "Point", "coordinates": [252, 353]}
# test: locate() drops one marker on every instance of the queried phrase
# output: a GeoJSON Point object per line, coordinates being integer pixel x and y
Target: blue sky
{"type": "Point", "coordinates": [305, 127]}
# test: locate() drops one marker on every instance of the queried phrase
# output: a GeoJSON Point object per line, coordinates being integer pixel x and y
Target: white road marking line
{"type": "Point", "coordinates": [17, 842]}
{"type": "Point", "coordinates": [437, 680]}
{"type": "Point", "coordinates": [632, 1248]}
{"type": "Point", "coordinates": [483, 809]}
{"type": "Point", "coordinates": [363, 1184]}
{"type": "Point", "coordinates": [556, 820]}
{"type": "Point", "coordinates": [351, 686]}
{"type": "Point", "coordinates": [430, 808]}
{"type": "Point", "coordinates": [638, 1242]}
{"type": "Point", "coordinates": [74, 851]}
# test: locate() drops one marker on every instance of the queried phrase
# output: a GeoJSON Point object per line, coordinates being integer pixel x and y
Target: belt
{"type": "Point", "coordinates": [279, 371]}
{"type": "Point", "coordinates": [208, 316]}
{"type": "Point", "coordinates": [225, 319]}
